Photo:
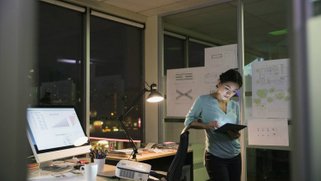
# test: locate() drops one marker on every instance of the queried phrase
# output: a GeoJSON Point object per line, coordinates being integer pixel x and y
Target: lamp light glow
{"type": "Point", "coordinates": [154, 95]}
{"type": "Point", "coordinates": [154, 98]}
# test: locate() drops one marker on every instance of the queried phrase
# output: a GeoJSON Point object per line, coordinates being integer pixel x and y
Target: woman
{"type": "Point", "coordinates": [209, 112]}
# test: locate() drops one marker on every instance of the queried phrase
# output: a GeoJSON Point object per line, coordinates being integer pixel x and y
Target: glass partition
{"type": "Point", "coordinates": [265, 38]}
{"type": "Point", "coordinates": [209, 26]}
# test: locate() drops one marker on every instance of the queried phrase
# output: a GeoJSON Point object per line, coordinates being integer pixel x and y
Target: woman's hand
{"type": "Point", "coordinates": [233, 134]}
{"type": "Point", "coordinates": [198, 124]}
{"type": "Point", "coordinates": [212, 125]}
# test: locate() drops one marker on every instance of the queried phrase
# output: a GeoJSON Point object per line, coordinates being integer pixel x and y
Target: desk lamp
{"type": "Point", "coordinates": [153, 97]}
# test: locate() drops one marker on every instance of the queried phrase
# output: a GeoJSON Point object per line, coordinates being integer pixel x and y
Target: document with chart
{"type": "Point", "coordinates": [270, 89]}
{"type": "Point", "coordinates": [268, 132]}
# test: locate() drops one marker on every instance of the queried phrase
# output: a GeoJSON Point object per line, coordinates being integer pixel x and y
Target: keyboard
{"type": "Point", "coordinates": [55, 168]}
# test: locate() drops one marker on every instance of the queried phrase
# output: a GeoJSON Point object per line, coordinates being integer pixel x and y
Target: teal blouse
{"type": "Point", "coordinates": [206, 108]}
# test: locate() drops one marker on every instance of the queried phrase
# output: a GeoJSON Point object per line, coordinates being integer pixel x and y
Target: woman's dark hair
{"type": "Point", "coordinates": [231, 75]}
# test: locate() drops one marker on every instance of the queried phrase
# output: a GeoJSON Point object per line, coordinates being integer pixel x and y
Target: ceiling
{"type": "Point", "coordinates": [215, 21]}
{"type": "Point", "coordinates": [158, 7]}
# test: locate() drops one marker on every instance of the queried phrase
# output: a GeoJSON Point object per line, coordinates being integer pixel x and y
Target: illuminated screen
{"type": "Point", "coordinates": [53, 132]}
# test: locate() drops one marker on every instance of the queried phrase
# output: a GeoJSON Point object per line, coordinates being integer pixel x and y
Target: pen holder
{"type": "Point", "coordinates": [100, 162]}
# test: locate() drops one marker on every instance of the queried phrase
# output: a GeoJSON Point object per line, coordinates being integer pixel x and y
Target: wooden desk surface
{"type": "Point", "coordinates": [145, 155]}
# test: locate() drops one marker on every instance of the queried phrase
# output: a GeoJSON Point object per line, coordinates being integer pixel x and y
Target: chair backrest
{"type": "Point", "coordinates": [174, 172]}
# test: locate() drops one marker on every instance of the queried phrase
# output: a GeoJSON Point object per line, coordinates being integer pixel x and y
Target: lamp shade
{"type": "Point", "coordinates": [154, 95]}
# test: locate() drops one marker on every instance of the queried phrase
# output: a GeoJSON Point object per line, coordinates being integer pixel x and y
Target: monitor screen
{"type": "Point", "coordinates": [54, 133]}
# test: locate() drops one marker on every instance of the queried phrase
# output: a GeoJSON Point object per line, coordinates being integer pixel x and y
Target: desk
{"type": "Point", "coordinates": [159, 161]}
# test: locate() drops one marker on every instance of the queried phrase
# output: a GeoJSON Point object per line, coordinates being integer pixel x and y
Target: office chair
{"type": "Point", "coordinates": [174, 172]}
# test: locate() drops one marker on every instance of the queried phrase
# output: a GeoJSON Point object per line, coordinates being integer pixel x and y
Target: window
{"type": "Point", "coordinates": [58, 72]}
{"type": "Point", "coordinates": [116, 77]}
{"type": "Point", "coordinates": [116, 68]}
{"type": "Point", "coordinates": [174, 52]}
{"type": "Point", "coordinates": [316, 5]}
{"type": "Point", "coordinates": [175, 55]}
{"type": "Point", "coordinates": [196, 54]}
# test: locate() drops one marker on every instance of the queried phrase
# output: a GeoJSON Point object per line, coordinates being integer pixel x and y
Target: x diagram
{"type": "Point", "coordinates": [186, 94]}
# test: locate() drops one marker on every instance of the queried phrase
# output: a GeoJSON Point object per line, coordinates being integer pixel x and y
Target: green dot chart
{"type": "Point", "coordinates": [270, 89]}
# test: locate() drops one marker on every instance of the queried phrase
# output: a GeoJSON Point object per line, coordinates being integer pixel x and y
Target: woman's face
{"type": "Point", "coordinates": [226, 90]}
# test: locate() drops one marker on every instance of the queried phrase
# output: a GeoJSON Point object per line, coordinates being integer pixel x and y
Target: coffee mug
{"type": "Point", "coordinates": [90, 171]}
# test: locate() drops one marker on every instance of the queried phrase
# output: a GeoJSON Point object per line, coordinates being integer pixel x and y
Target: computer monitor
{"type": "Point", "coordinates": [53, 133]}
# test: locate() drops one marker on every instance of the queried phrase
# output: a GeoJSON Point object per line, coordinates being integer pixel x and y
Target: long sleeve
{"type": "Point", "coordinates": [195, 112]}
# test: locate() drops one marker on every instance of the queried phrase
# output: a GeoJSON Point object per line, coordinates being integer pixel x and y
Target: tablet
{"type": "Point", "coordinates": [230, 126]}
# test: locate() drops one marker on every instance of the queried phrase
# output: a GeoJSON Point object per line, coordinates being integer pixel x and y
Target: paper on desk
{"type": "Point", "coordinates": [68, 176]}
{"type": "Point", "coordinates": [157, 150]}
{"type": "Point", "coordinates": [126, 151]}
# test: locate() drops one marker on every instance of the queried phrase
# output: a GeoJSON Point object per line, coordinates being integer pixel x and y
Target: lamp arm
{"type": "Point", "coordinates": [121, 119]}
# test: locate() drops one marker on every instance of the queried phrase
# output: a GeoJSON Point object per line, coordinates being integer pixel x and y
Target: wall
{"type": "Point", "coordinates": [151, 76]}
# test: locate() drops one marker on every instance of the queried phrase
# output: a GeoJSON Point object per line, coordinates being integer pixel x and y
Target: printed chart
{"type": "Point", "coordinates": [270, 89]}
{"type": "Point", "coordinates": [183, 87]}
{"type": "Point", "coordinates": [268, 132]}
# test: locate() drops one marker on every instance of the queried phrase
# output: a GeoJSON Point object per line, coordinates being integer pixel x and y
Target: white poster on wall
{"type": "Point", "coordinates": [268, 132]}
{"type": "Point", "coordinates": [184, 86]}
{"type": "Point", "coordinates": [270, 89]}
{"type": "Point", "coordinates": [221, 58]}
